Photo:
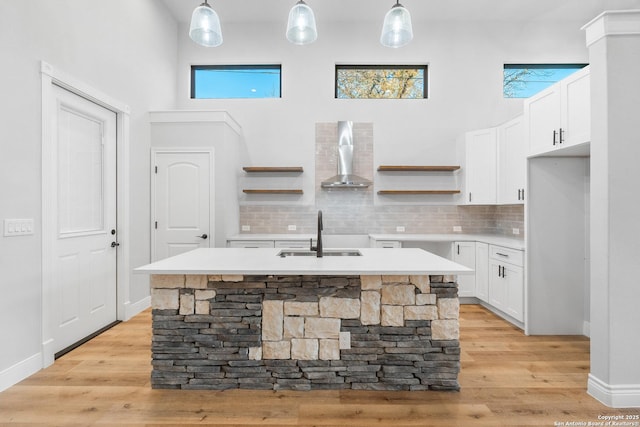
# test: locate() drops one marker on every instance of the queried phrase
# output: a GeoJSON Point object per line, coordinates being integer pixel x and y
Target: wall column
{"type": "Point", "coordinates": [613, 39]}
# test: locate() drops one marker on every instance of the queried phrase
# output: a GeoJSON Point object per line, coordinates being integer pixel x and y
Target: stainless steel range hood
{"type": "Point", "coordinates": [345, 177]}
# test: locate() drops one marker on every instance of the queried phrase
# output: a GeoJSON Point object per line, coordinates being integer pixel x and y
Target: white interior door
{"type": "Point", "coordinates": [84, 270]}
{"type": "Point", "coordinates": [182, 195]}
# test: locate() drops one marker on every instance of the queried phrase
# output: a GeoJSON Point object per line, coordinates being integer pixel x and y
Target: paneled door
{"type": "Point", "coordinates": [182, 191]}
{"type": "Point", "coordinates": [85, 244]}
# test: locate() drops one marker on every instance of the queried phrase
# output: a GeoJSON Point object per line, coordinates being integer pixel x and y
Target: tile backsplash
{"type": "Point", "coordinates": [346, 218]}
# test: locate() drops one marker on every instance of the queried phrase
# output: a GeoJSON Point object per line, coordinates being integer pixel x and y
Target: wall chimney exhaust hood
{"type": "Point", "coordinates": [345, 177]}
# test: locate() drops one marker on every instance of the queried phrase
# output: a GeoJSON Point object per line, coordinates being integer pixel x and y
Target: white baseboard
{"type": "Point", "coordinates": [502, 314]}
{"type": "Point", "coordinates": [586, 329]}
{"type": "Point", "coordinates": [136, 308]}
{"type": "Point", "coordinates": [614, 396]}
{"type": "Point", "coordinates": [20, 371]}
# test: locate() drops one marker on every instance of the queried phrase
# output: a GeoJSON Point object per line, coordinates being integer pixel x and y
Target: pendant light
{"type": "Point", "coordinates": [301, 27]}
{"type": "Point", "coordinates": [205, 26]}
{"type": "Point", "coordinates": [396, 30]}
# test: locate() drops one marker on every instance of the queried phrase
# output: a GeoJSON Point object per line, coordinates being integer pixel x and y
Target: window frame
{"type": "Point", "coordinates": [231, 67]}
{"type": "Point", "coordinates": [423, 67]}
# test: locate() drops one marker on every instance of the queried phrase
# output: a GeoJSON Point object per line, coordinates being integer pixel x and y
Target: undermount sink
{"type": "Point", "coordinates": [328, 252]}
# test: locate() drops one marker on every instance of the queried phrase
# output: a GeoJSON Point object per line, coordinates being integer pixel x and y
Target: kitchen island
{"type": "Point", "coordinates": [386, 319]}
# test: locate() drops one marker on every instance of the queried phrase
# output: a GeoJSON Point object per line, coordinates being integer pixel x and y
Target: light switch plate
{"type": "Point", "coordinates": [291, 227]}
{"type": "Point", "coordinates": [516, 231]}
{"type": "Point", "coordinates": [246, 228]}
{"type": "Point", "coordinates": [400, 229]}
{"type": "Point", "coordinates": [18, 227]}
{"type": "Point", "coordinates": [457, 228]}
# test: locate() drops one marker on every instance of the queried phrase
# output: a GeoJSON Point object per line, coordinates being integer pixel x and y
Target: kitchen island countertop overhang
{"type": "Point", "coordinates": [252, 261]}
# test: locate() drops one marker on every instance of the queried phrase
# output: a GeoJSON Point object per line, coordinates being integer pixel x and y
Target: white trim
{"type": "Point", "coordinates": [614, 396]}
{"type": "Point", "coordinates": [137, 307]}
{"type": "Point", "coordinates": [195, 116]}
{"type": "Point", "coordinates": [50, 76]}
{"type": "Point", "coordinates": [84, 90]}
{"type": "Point", "coordinates": [586, 328]}
{"type": "Point", "coordinates": [212, 199]}
{"type": "Point", "coordinates": [612, 23]}
{"type": "Point", "coordinates": [504, 315]}
{"type": "Point", "coordinates": [21, 370]}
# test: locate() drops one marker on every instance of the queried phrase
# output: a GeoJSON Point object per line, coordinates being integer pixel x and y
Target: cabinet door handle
{"type": "Point", "coordinates": [523, 194]}
{"type": "Point", "coordinates": [458, 249]}
{"type": "Point", "coordinates": [561, 140]}
{"type": "Point", "coordinates": [519, 192]}
{"type": "Point", "coordinates": [469, 196]}
{"type": "Point", "coordinates": [503, 273]}
{"type": "Point", "coordinates": [555, 133]}
{"type": "Point", "coordinates": [502, 255]}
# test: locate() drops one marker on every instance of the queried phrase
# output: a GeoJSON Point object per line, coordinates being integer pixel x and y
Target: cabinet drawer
{"type": "Point", "coordinates": [250, 243]}
{"type": "Point", "coordinates": [292, 244]}
{"type": "Point", "coordinates": [388, 244]}
{"type": "Point", "coordinates": [512, 256]}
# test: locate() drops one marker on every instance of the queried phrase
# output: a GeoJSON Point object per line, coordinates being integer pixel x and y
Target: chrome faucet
{"type": "Point", "coordinates": [318, 247]}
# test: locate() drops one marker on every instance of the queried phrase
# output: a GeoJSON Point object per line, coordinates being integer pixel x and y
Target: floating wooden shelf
{"type": "Point", "coordinates": [252, 169]}
{"type": "Point", "coordinates": [275, 191]}
{"type": "Point", "coordinates": [427, 192]}
{"type": "Point", "coordinates": [387, 168]}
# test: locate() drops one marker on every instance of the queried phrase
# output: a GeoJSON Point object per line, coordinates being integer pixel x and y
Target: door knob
{"type": "Point", "coordinates": [115, 244]}
{"type": "Point", "coordinates": [204, 236]}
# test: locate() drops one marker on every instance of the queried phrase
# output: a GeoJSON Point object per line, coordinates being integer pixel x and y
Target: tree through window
{"type": "Point", "coordinates": [525, 80]}
{"type": "Point", "coordinates": [381, 81]}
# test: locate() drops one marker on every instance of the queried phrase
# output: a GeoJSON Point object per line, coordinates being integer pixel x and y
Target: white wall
{"type": "Point", "coordinates": [215, 130]}
{"type": "Point", "coordinates": [107, 45]}
{"type": "Point", "coordinates": [465, 89]}
{"type": "Point", "coordinates": [615, 248]}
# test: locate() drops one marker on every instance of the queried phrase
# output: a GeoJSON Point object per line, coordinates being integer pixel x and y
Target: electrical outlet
{"type": "Point", "coordinates": [400, 229]}
{"type": "Point", "coordinates": [457, 228]}
{"type": "Point", "coordinates": [516, 231]}
{"type": "Point", "coordinates": [291, 227]}
{"type": "Point", "coordinates": [246, 228]}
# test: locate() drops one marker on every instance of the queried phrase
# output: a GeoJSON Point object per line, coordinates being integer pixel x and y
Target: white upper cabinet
{"type": "Point", "coordinates": [512, 162]}
{"type": "Point", "coordinates": [576, 108]}
{"type": "Point", "coordinates": [559, 117]}
{"type": "Point", "coordinates": [481, 167]}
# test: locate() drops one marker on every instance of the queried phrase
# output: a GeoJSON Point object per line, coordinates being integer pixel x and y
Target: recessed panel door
{"type": "Point", "coordinates": [85, 245]}
{"type": "Point", "coordinates": [182, 199]}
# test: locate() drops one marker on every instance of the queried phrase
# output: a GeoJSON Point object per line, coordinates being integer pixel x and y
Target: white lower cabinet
{"type": "Point", "coordinates": [268, 243]}
{"type": "Point", "coordinates": [388, 244]}
{"type": "Point", "coordinates": [250, 243]}
{"type": "Point", "coordinates": [465, 253]}
{"type": "Point", "coordinates": [506, 281]}
{"type": "Point", "coordinates": [482, 271]}
{"type": "Point", "coordinates": [292, 244]}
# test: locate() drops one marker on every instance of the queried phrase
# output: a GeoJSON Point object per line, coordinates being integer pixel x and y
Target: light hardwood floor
{"type": "Point", "coordinates": [507, 379]}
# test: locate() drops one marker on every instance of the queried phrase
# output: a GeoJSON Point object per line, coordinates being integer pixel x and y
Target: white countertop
{"type": "Point", "coordinates": [492, 239]}
{"type": "Point", "coordinates": [258, 261]}
{"type": "Point", "coordinates": [282, 236]}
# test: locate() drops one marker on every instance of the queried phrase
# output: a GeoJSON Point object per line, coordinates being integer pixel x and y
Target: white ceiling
{"type": "Point", "coordinates": [421, 10]}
